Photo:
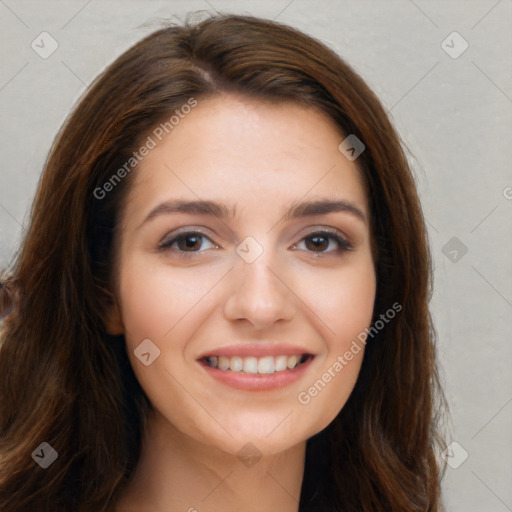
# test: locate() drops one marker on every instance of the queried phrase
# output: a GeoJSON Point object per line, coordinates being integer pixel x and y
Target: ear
{"type": "Point", "coordinates": [113, 319]}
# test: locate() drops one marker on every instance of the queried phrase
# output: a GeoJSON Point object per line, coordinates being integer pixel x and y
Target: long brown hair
{"type": "Point", "coordinates": [66, 382]}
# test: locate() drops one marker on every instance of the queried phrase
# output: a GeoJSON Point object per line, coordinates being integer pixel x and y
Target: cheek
{"type": "Point", "coordinates": [154, 298]}
{"type": "Point", "coordinates": [342, 301]}
{"type": "Point", "coordinates": [350, 308]}
{"type": "Point", "coordinates": [344, 305]}
{"type": "Point", "coordinates": [159, 304]}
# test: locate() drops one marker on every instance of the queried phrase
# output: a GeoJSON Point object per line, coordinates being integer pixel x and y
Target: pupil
{"type": "Point", "coordinates": [190, 241]}
{"type": "Point", "coordinates": [318, 241]}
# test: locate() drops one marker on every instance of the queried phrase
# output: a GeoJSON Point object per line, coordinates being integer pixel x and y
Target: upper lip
{"type": "Point", "coordinates": [257, 349]}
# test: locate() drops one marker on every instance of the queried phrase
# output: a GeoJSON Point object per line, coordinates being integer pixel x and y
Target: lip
{"type": "Point", "coordinates": [258, 349]}
{"type": "Point", "coordinates": [257, 381]}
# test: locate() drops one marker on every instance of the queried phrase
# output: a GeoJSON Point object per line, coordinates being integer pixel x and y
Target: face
{"type": "Point", "coordinates": [234, 311]}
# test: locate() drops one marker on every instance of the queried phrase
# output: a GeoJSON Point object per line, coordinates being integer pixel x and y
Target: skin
{"type": "Point", "coordinates": [246, 153]}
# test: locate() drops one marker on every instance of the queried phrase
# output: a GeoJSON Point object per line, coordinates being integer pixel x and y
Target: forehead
{"type": "Point", "coordinates": [230, 148]}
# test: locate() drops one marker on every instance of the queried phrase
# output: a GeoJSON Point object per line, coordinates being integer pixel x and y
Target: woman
{"type": "Point", "coordinates": [222, 297]}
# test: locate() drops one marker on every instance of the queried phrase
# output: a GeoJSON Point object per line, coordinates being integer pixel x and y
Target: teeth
{"type": "Point", "coordinates": [280, 363]}
{"type": "Point", "coordinates": [250, 365]}
{"type": "Point", "coordinates": [266, 365]}
{"type": "Point", "coordinates": [262, 365]}
{"type": "Point", "coordinates": [223, 363]}
{"type": "Point", "coordinates": [292, 362]}
{"type": "Point", "coordinates": [236, 364]}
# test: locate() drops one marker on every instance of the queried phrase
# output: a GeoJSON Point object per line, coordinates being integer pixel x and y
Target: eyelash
{"type": "Point", "coordinates": [343, 244]}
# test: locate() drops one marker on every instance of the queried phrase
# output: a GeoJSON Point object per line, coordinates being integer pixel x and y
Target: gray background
{"type": "Point", "coordinates": [454, 115]}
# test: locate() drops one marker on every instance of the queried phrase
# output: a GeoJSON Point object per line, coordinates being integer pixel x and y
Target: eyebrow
{"type": "Point", "coordinates": [221, 210]}
{"type": "Point", "coordinates": [322, 207]}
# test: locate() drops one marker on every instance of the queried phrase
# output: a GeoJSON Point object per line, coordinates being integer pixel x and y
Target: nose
{"type": "Point", "coordinates": [259, 293]}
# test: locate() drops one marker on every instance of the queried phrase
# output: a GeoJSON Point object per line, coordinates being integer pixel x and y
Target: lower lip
{"type": "Point", "coordinates": [257, 381]}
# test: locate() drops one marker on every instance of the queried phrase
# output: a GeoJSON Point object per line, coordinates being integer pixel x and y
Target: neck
{"type": "Point", "coordinates": [177, 473]}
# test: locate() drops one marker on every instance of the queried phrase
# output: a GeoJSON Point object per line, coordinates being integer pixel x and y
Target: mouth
{"type": "Point", "coordinates": [265, 365]}
{"type": "Point", "coordinates": [263, 372]}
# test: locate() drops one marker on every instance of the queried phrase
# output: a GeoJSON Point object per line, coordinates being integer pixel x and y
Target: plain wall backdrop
{"type": "Point", "coordinates": [443, 69]}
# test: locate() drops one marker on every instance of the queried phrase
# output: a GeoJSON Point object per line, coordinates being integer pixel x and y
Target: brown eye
{"type": "Point", "coordinates": [189, 242]}
{"type": "Point", "coordinates": [320, 241]}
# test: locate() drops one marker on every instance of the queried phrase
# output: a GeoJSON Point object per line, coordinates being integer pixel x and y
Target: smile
{"type": "Point", "coordinates": [257, 365]}
{"type": "Point", "coordinates": [254, 368]}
